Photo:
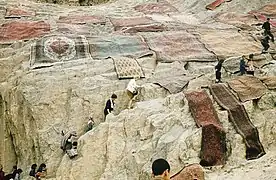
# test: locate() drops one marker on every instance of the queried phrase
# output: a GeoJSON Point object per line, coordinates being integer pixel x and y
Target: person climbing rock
{"type": "Point", "coordinates": [218, 71]}
{"type": "Point", "coordinates": [267, 29]}
{"type": "Point", "coordinates": [242, 65]}
{"type": "Point", "coordinates": [17, 174]}
{"type": "Point", "coordinates": [33, 170]}
{"type": "Point", "coordinates": [41, 171]}
{"type": "Point", "coordinates": [265, 44]}
{"type": "Point", "coordinates": [160, 169]}
{"type": "Point", "coordinates": [109, 106]}
{"type": "Point", "coordinates": [69, 143]}
{"type": "Point", "coordinates": [250, 65]}
{"type": "Point", "coordinates": [90, 124]}
{"type": "Point", "coordinates": [2, 173]}
{"type": "Point", "coordinates": [132, 91]}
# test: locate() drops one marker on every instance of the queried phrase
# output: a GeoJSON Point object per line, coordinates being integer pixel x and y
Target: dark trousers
{"type": "Point", "coordinates": [265, 45]}
{"type": "Point", "coordinates": [218, 76]}
{"type": "Point", "coordinates": [270, 34]}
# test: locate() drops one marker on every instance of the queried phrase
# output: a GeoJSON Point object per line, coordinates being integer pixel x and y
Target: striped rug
{"type": "Point", "coordinates": [239, 117]}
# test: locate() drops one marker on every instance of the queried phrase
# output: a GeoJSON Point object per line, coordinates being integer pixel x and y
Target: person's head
{"type": "Point", "coordinates": [1, 167]}
{"type": "Point", "coordinates": [113, 97]}
{"type": "Point", "coordinates": [14, 167]}
{"type": "Point", "coordinates": [160, 167]}
{"type": "Point", "coordinates": [19, 171]}
{"type": "Point", "coordinates": [268, 19]}
{"type": "Point", "coordinates": [42, 167]}
{"type": "Point", "coordinates": [34, 166]}
{"type": "Point", "coordinates": [220, 61]}
{"type": "Point", "coordinates": [251, 56]}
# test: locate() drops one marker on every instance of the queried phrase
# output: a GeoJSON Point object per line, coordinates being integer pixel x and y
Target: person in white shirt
{"type": "Point", "coordinates": [132, 91]}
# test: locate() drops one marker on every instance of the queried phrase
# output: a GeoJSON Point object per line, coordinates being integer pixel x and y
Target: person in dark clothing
{"type": "Point", "coordinates": [33, 170]}
{"type": "Point", "coordinates": [41, 171]}
{"type": "Point", "coordinates": [218, 71]}
{"type": "Point", "coordinates": [265, 44]}
{"type": "Point", "coordinates": [17, 174]}
{"type": "Point", "coordinates": [266, 27]}
{"type": "Point", "coordinates": [2, 173]}
{"type": "Point", "coordinates": [242, 65]}
{"type": "Point", "coordinates": [109, 106]}
{"type": "Point", "coordinates": [14, 170]}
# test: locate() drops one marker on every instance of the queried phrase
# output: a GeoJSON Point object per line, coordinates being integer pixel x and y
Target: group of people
{"type": "Point", "coordinates": [132, 90]}
{"type": "Point", "coordinates": [267, 35]}
{"type": "Point", "coordinates": [39, 173]}
{"type": "Point", "coordinates": [16, 172]}
{"type": "Point", "coordinates": [245, 67]}
{"type": "Point", "coordinates": [14, 175]}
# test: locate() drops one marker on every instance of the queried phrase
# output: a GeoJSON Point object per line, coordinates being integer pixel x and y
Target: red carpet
{"type": "Point", "coordinates": [213, 146]}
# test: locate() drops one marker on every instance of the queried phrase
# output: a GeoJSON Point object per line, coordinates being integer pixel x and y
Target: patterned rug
{"type": "Point", "coordinates": [202, 108]}
{"type": "Point", "coordinates": [127, 68]}
{"type": "Point", "coordinates": [239, 117]}
{"type": "Point", "coordinates": [190, 172]}
{"type": "Point", "coordinates": [177, 46]}
{"type": "Point", "coordinates": [270, 81]}
{"type": "Point", "coordinates": [215, 4]}
{"type": "Point", "coordinates": [156, 8]}
{"type": "Point", "coordinates": [213, 145]}
{"type": "Point", "coordinates": [247, 87]}
{"type": "Point", "coordinates": [56, 49]}
{"type": "Point", "coordinates": [102, 47]}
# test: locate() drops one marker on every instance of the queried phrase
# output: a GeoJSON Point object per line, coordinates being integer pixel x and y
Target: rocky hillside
{"type": "Point", "coordinates": [57, 69]}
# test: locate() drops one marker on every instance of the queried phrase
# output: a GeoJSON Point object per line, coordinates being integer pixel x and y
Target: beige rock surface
{"type": "Point", "coordinates": [37, 104]}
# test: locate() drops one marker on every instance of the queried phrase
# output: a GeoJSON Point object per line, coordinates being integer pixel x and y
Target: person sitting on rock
{"type": "Point", "coordinates": [265, 44]}
{"type": "Point", "coordinates": [218, 71]}
{"type": "Point", "coordinates": [160, 170]}
{"type": "Point", "coordinates": [41, 171]}
{"type": "Point", "coordinates": [33, 170]}
{"type": "Point", "coordinates": [132, 91]}
{"type": "Point", "coordinates": [267, 29]}
{"type": "Point", "coordinates": [109, 106]}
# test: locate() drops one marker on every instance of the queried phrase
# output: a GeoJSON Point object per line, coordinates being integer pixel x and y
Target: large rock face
{"type": "Point", "coordinates": [44, 91]}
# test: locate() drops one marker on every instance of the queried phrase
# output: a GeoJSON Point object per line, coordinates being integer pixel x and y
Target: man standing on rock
{"type": "Point", "coordinates": [218, 71]}
{"type": "Point", "coordinates": [160, 169]}
{"type": "Point", "coordinates": [242, 65]}
{"type": "Point", "coordinates": [109, 106]}
{"type": "Point", "coordinates": [266, 27]}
